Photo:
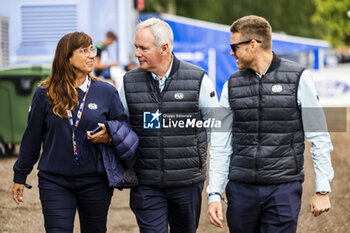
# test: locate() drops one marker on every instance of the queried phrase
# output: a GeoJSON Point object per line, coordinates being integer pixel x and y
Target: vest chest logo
{"type": "Point", "coordinates": [92, 106]}
{"type": "Point", "coordinates": [179, 95]}
{"type": "Point", "coordinates": [277, 88]}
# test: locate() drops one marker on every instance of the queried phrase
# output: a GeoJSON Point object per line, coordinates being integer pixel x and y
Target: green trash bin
{"type": "Point", "coordinates": [17, 86]}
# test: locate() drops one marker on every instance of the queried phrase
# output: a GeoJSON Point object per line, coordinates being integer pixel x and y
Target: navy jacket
{"type": "Point", "coordinates": [119, 158]}
{"type": "Point", "coordinates": [54, 134]}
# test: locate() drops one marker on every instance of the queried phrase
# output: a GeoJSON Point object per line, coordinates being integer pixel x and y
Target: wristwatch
{"type": "Point", "coordinates": [219, 194]}
{"type": "Point", "coordinates": [322, 192]}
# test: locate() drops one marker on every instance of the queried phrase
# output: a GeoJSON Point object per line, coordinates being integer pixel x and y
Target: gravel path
{"type": "Point", "coordinates": [27, 218]}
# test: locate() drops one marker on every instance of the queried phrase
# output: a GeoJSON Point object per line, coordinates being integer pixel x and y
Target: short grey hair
{"type": "Point", "coordinates": [161, 30]}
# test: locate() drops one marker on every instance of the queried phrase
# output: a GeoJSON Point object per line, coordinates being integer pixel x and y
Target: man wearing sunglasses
{"type": "Point", "coordinates": [262, 153]}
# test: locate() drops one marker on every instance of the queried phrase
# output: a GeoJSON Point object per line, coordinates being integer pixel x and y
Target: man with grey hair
{"type": "Point", "coordinates": [159, 97]}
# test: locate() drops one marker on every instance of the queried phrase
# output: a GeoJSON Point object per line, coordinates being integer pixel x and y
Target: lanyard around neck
{"type": "Point", "coordinates": [80, 111]}
{"type": "Point", "coordinates": [77, 120]}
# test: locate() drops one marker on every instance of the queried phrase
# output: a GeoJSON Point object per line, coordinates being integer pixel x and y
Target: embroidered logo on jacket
{"type": "Point", "coordinates": [179, 95]}
{"type": "Point", "coordinates": [277, 88]}
{"type": "Point", "coordinates": [92, 106]}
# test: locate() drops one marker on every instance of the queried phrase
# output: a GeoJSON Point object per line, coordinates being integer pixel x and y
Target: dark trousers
{"type": "Point", "coordinates": [61, 196]}
{"type": "Point", "coordinates": [155, 208]}
{"type": "Point", "coordinates": [263, 208]}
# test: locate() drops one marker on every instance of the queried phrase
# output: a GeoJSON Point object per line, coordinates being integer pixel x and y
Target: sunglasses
{"type": "Point", "coordinates": [235, 45]}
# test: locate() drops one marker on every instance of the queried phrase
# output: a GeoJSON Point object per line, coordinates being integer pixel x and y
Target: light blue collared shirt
{"type": "Point", "coordinates": [206, 102]}
{"type": "Point", "coordinates": [162, 81]}
{"type": "Point", "coordinates": [221, 142]}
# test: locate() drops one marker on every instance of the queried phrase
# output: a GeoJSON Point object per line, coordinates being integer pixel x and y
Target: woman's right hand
{"type": "Point", "coordinates": [17, 193]}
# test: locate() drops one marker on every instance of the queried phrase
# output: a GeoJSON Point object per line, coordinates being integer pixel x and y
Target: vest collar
{"type": "Point", "coordinates": [176, 64]}
{"type": "Point", "coordinates": [276, 60]}
{"type": "Point", "coordinates": [175, 67]}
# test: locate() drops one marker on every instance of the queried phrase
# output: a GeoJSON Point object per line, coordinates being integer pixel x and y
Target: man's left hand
{"type": "Point", "coordinates": [320, 203]}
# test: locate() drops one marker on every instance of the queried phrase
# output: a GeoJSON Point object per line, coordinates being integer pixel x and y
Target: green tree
{"type": "Point", "coordinates": [291, 17]}
{"type": "Point", "coordinates": [332, 14]}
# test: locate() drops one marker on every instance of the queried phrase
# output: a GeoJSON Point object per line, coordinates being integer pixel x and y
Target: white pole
{"type": "Point", "coordinates": [125, 29]}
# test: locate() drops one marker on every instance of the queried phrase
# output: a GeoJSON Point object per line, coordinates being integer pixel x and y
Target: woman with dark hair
{"type": "Point", "coordinates": [72, 168]}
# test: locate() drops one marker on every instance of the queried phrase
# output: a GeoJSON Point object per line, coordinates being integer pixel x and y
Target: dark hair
{"type": "Point", "coordinates": [112, 35]}
{"type": "Point", "coordinates": [254, 27]}
{"type": "Point", "coordinates": [61, 92]}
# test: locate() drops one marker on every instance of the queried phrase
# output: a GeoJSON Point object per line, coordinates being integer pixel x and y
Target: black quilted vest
{"type": "Point", "coordinates": [167, 156]}
{"type": "Point", "coordinates": [268, 137]}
